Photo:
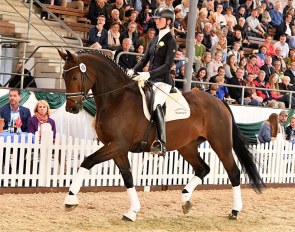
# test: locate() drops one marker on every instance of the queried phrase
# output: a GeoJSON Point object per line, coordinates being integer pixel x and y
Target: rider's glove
{"type": "Point", "coordinates": [141, 78]}
{"type": "Point", "coordinates": [130, 73]}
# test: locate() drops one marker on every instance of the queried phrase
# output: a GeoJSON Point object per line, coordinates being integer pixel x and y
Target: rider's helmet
{"type": "Point", "coordinates": [166, 13]}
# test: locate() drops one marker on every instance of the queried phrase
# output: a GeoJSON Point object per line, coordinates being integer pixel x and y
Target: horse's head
{"type": "Point", "coordinates": [76, 81]}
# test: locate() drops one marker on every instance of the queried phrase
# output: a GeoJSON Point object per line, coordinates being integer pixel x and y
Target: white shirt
{"type": "Point", "coordinates": [163, 32]}
{"type": "Point", "coordinates": [284, 47]}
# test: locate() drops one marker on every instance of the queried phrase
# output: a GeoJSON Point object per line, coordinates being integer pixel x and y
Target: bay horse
{"type": "Point", "coordinates": [121, 125]}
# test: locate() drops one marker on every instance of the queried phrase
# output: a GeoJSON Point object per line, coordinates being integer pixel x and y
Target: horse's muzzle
{"type": "Point", "coordinates": [74, 109]}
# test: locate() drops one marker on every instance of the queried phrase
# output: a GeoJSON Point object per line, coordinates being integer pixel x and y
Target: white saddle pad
{"type": "Point", "coordinates": [176, 105]}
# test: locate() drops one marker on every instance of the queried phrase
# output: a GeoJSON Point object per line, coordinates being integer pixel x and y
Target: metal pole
{"type": "Point", "coordinates": [190, 42]}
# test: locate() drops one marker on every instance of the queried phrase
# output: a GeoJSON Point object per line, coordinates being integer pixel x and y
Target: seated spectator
{"type": "Point", "coordinates": [200, 48]}
{"type": "Point", "coordinates": [131, 18]}
{"type": "Point", "coordinates": [251, 66]}
{"type": "Point", "coordinates": [144, 19]}
{"type": "Point", "coordinates": [276, 95]}
{"type": "Point", "coordinates": [145, 39]}
{"type": "Point", "coordinates": [268, 67]}
{"type": "Point", "coordinates": [276, 16]}
{"type": "Point", "coordinates": [290, 130]}
{"type": "Point", "coordinates": [126, 61]}
{"type": "Point", "coordinates": [278, 70]}
{"type": "Point", "coordinates": [241, 13]}
{"type": "Point", "coordinates": [254, 25]}
{"type": "Point", "coordinates": [285, 28]}
{"type": "Point", "coordinates": [40, 117]}
{"type": "Point", "coordinates": [184, 7]}
{"type": "Point", "coordinates": [201, 76]}
{"type": "Point", "coordinates": [221, 73]}
{"type": "Point", "coordinates": [235, 51]}
{"type": "Point", "coordinates": [221, 46]}
{"type": "Point", "coordinates": [261, 83]}
{"type": "Point", "coordinates": [13, 111]}
{"type": "Point", "coordinates": [73, 4]}
{"type": "Point", "coordinates": [261, 56]}
{"type": "Point", "coordinates": [290, 58]}
{"type": "Point", "coordinates": [179, 63]}
{"type": "Point", "coordinates": [292, 42]}
{"type": "Point", "coordinates": [96, 8]}
{"type": "Point", "coordinates": [115, 17]}
{"type": "Point", "coordinates": [283, 45]}
{"type": "Point", "coordinates": [132, 34]}
{"type": "Point", "coordinates": [228, 30]}
{"type": "Point", "coordinates": [217, 18]}
{"type": "Point", "coordinates": [278, 57]}
{"type": "Point", "coordinates": [118, 5]}
{"type": "Point", "coordinates": [291, 73]}
{"type": "Point", "coordinates": [139, 49]}
{"type": "Point", "coordinates": [230, 67]}
{"type": "Point", "coordinates": [29, 80]}
{"type": "Point", "coordinates": [263, 17]}
{"type": "Point", "coordinates": [202, 20]}
{"type": "Point", "coordinates": [98, 36]}
{"type": "Point", "coordinates": [114, 37]}
{"type": "Point", "coordinates": [243, 28]}
{"type": "Point", "coordinates": [285, 85]}
{"type": "Point", "coordinates": [207, 36]}
{"type": "Point", "coordinates": [213, 90]}
{"type": "Point", "coordinates": [251, 93]}
{"type": "Point", "coordinates": [214, 64]}
{"type": "Point", "coordinates": [203, 62]}
{"type": "Point", "coordinates": [222, 91]}
{"type": "Point", "coordinates": [269, 5]}
{"type": "Point", "coordinates": [236, 93]}
{"type": "Point", "coordinates": [229, 16]}
{"type": "Point", "coordinates": [288, 6]}
{"type": "Point", "coordinates": [269, 129]}
{"type": "Point", "coordinates": [248, 8]}
{"type": "Point", "coordinates": [270, 49]}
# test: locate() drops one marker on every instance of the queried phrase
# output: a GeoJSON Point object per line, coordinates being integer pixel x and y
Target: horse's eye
{"type": "Point", "coordinates": [74, 78]}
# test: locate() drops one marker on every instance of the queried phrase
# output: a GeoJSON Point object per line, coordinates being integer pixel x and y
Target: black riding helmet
{"type": "Point", "coordinates": [166, 13]}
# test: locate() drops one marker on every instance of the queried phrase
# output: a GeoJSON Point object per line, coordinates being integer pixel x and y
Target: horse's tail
{"type": "Point", "coordinates": [240, 146]}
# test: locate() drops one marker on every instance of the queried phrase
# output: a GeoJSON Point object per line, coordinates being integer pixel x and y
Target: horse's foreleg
{"type": "Point", "coordinates": [124, 166]}
{"type": "Point", "coordinates": [191, 155]}
{"type": "Point", "coordinates": [103, 154]}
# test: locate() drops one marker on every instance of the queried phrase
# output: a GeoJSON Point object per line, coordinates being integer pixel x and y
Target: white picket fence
{"type": "Point", "coordinates": [48, 164]}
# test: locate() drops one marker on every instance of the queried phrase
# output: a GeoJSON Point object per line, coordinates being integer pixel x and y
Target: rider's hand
{"type": "Point", "coordinates": [130, 73]}
{"type": "Point", "coordinates": [141, 78]}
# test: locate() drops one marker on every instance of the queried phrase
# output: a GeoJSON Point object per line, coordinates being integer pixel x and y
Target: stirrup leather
{"type": "Point", "coordinates": [157, 148]}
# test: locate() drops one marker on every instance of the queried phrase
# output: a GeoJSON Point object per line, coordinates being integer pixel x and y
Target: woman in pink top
{"type": "Point", "coordinates": [270, 50]}
{"type": "Point", "coordinates": [251, 66]}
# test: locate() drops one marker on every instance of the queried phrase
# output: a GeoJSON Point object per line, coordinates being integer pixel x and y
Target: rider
{"type": "Point", "coordinates": [160, 55]}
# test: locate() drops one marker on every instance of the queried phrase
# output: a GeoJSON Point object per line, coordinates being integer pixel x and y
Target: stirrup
{"type": "Point", "coordinates": [157, 148]}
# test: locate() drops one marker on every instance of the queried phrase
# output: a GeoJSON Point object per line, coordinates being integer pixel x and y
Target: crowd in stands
{"type": "Point", "coordinates": [223, 34]}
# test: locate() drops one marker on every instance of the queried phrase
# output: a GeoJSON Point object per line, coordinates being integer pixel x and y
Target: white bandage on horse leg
{"type": "Point", "coordinates": [133, 198]}
{"type": "Point", "coordinates": [237, 198]}
{"type": "Point", "coordinates": [192, 184]}
{"type": "Point", "coordinates": [78, 179]}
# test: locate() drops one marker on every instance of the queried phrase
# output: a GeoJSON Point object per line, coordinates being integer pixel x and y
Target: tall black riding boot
{"type": "Point", "coordinates": [159, 145]}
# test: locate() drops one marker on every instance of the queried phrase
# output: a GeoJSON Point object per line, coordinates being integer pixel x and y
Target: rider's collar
{"type": "Point", "coordinates": [163, 32]}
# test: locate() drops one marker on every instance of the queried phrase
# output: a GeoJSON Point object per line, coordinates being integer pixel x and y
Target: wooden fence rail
{"type": "Point", "coordinates": [30, 163]}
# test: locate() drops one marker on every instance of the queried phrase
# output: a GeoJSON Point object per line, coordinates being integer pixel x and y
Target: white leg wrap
{"type": "Point", "coordinates": [192, 184]}
{"type": "Point", "coordinates": [133, 199]}
{"type": "Point", "coordinates": [78, 179]}
{"type": "Point", "coordinates": [237, 198]}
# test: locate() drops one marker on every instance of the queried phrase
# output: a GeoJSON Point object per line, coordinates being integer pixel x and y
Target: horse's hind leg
{"type": "Point", "coordinates": [191, 155]}
{"type": "Point", "coordinates": [123, 164]}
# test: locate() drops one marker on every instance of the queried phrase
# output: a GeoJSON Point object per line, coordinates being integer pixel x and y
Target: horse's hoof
{"type": "Point", "coordinates": [129, 216]}
{"type": "Point", "coordinates": [232, 217]}
{"type": "Point", "coordinates": [69, 208]}
{"type": "Point", "coordinates": [186, 207]}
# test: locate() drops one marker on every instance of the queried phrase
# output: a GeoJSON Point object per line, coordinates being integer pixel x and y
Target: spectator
{"type": "Point", "coordinates": [210, 8]}
{"type": "Point", "coordinates": [230, 67]}
{"type": "Point", "coordinates": [283, 115]}
{"type": "Point", "coordinates": [261, 83]}
{"type": "Point", "coordinates": [251, 66]}
{"type": "Point", "coordinates": [229, 16]}
{"type": "Point", "coordinates": [276, 16]}
{"type": "Point", "coordinates": [222, 91]}
{"type": "Point", "coordinates": [242, 27]}
{"type": "Point", "coordinates": [139, 49]}
{"type": "Point", "coordinates": [218, 17]}
{"type": "Point", "coordinates": [261, 56]}
{"type": "Point", "coordinates": [291, 73]}
{"type": "Point", "coordinates": [243, 64]}
{"type": "Point", "coordinates": [221, 73]}
{"type": "Point", "coordinates": [268, 67]}
{"type": "Point", "coordinates": [278, 70]}
{"type": "Point", "coordinates": [179, 30]}
{"type": "Point", "coordinates": [269, 5]}
{"type": "Point", "coordinates": [278, 57]}
{"type": "Point", "coordinates": [283, 45]}
{"type": "Point", "coordinates": [115, 17]}
{"type": "Point", "coordinates": [290, 58]}
{"type": "Point", "coordinates": [126, 61]}
{"type": "Point", "coordinates": [98, 36]}
{"type": "Point", "coordinates": [292, 42]}
{"type": "Point", "coordinates": [132, 18]}
{"type": "Point", "coordinates": [228, 31]}
{"type": "Point", "coordinates": [202, 20]}
{"type": "Point", "coordinates": [265, 17]}
{"type": "Point", "coordinates": [179, 63]}
{"type": "Point", "coordinates": [290, 130]}
{"type": "Point", "coordinates": [73, 4]}
{"type": "Point", "coordinates": [114, 37]}
{"type": "Point", "coordinates": [248, 8]}
{"type": "Point", "coordinates": [213, 90]}
{"type": "Point", "coordinates": [288, 6]}
{"type": "Point", "coordinates": [169, 4]}
{"type": "Point", "coordinates": [269, 129]}
{"type": "Point", "coordinates": [29, 80]}
{"type": "Point", "coordinates": [118, 5]}
{"type": "Point", "coordinates": [13, 111]}
{"type": "Point", "coordinates": [268, 44]}
{"type": "Point", "coordinates": [40, 117]}
{"type": "Point", "coordinates": [151, 3]}
{"type": "Point", "coordinates": [131, 34]}
{"type": "Point", "coordinates": [285, 28]}
{"type": "Point", "coordinates": [241, 13]}
{"type": "Point", "coordinates": [201, 76]}
{"type": "Point", "coordinates": [144, 19]}
{"type": "Point", "coordinates": [252, 93]}
{"type": "Point", "coordinates": [96, 8]}
{"type": "Point", "coordinates": [214, 64]}
{"type": "Point", "coordinates": [146, 39]}
{"type": "Point", "coordinates": [203, 62]}
{"type": "Point", "coordinates": [184, 7]}
{"type": "Point", "coordinates": [221, 46]}
{"type": "Point", "coordinates": [200, 48]}
{"type": "Point", "coordinates": [255, 29]}
{"type": "Point", "coordinates": [235, 51]}
{"type": "Point", "coordinates": [285, 85]}
{"type": "Point", "coordinates": [207, 36]}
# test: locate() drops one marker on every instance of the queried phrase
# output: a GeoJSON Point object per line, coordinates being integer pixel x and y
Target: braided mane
{"type": "Point", "coordinates": [107, 58]}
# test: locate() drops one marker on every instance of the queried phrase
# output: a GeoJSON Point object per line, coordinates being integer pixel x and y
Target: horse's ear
{"type": "Point", "coordinates": [71, 57]}
{"type": "Point", "coordinates": [62, 54]}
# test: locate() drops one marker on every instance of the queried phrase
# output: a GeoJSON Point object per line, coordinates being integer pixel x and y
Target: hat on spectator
{"type": "Point", "coordinates": [284, 112]}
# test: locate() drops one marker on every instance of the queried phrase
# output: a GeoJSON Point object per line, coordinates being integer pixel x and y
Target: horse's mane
{"type": "Point", "coordinates": [107, 58]}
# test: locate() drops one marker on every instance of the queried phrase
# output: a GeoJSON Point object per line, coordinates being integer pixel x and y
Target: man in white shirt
{"type": "Point", "coordinates": [254, 25]}
{"type": "Point", "coordinates": [283, 45]}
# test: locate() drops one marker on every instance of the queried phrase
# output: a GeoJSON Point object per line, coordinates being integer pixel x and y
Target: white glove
{"type": "Point", "coordinates": [130, 73]}
{"type": "Point", "coordinates": [141, 78]}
